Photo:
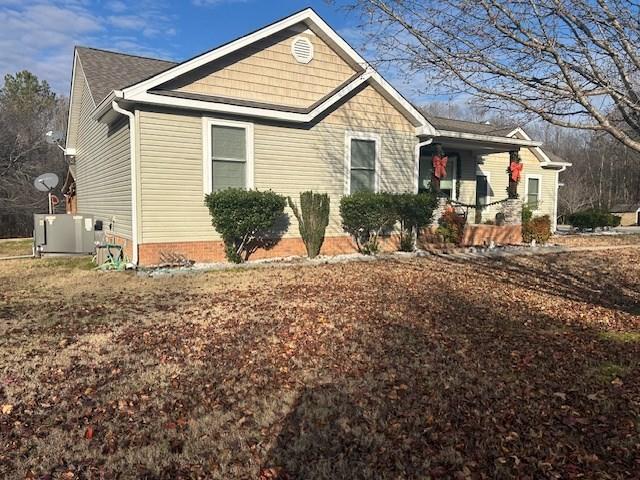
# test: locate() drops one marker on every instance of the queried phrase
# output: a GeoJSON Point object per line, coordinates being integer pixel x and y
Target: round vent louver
{"type": "Point", "coordinates": [302, 49]}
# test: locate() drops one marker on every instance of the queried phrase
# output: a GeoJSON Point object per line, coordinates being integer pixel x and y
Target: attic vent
{"type": "Point", "coordinates": [302, 49]}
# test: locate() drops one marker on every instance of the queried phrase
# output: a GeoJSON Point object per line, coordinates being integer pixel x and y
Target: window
{"type": "Point", "coordinates": [448, 182]}
{"type": "Point", "coordinates": [229, 155]}
{"type": "Point", "coordinates": [533, 191]}
{"type": "Point", "coordinates": [482, 189]}
{"type": "Point", "coordinates": [362, 164]}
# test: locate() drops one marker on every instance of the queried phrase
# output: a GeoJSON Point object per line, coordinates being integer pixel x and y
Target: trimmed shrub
{"type": "Point", "coordinates": [451, 227]}
{"type": "Point", "coordinates": [365, 215]}
{"type": "Point", "coordinates": [592, 219]}
{"type": "Point", "coordinates": [538, 229]}
{"type": "Point", "coordinates": [527, 213]}
{"type": "Point", "coordinates": [246, 220]}
{"type": "Point", "coordinates": [413, 211]}
{"type": "Point", "coordinates": [313, 218]}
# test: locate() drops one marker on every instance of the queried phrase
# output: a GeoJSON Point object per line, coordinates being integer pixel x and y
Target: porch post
{"type": "Point", "coordinates": [435, 181]}
{"type": "Point", "coordinates": [514, 158]}
{"type": "Point", "coordinates": [512, 209]}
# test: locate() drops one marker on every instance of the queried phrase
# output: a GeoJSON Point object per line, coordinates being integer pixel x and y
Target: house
{"type": "Point", "coordinates": [289, 107]}
{"type": "Point", "coordinates": [629, 213]}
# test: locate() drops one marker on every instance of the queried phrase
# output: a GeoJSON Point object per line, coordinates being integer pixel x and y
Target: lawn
{"type": "Point", "coordinates": [518, 367]}
{"type": "Point", "coordinates": [11, 248]}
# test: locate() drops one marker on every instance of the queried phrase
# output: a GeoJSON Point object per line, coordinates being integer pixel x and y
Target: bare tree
{"type": "Point", "coordinates": [573, 64]}
{"type": "Point", "coordinates": [28, 108]}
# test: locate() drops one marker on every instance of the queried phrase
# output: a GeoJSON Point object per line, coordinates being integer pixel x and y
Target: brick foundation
{"type": "Point", "coordinates": [125, 242]}
{"type": "Point", "coordinates": [479, 235]}
{"type": "Point", "coordinates": [213, 251]}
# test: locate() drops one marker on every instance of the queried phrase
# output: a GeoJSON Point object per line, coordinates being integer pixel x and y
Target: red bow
{"type": "Point", "coordinates": [516, 169]}
{"type": "Point", "coordinates": [439, 166]}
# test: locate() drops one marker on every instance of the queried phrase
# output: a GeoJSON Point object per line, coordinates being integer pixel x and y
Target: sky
{"type": "Point", "coordinates": [39, 36]}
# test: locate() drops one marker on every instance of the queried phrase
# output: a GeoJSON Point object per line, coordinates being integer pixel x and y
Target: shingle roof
{"type": "Point", "coordinates": [553, 157]}
{"type": "Point", "coordinates": [442, 123]}
{"type": "Point", "coordinates": [106, 71]}
{"type": "Point", "coordinates": [624, 207]}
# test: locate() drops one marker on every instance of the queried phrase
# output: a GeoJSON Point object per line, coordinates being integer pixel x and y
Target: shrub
{"type": "Point", "coordinates": [413, 211]}
{"type": "Point", "coordinates": [365, 215]}
{"type": "Point", "coordinates": [245, 219]}
{"type": "Point", "coordinates": [527, 213]}
{"type": "Point", "coordinates": [538, 229]}
{"type": "Point", "coordinates": [451, 227]}
{"type": "Point", "coordinates": [313, 218]}
{"type": "Point", "coordinates": [593, 218]}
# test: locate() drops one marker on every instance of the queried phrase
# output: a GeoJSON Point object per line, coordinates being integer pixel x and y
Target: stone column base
{"type": "Point", "coordinates": [441, 207]}
{"type": "Point", "coordinates": [512, 210]}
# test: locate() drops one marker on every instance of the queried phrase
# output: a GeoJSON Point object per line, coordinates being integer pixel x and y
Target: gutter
{"type": "Point", "coordinates": [134, 180]}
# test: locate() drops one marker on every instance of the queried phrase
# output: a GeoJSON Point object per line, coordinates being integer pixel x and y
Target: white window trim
{"type": "Point", "coordinates": [526, 190]}
{"type": "Point", "coordinates": [481, 173]}
{"type": "Point", "coordinates": [207, 178]}
{"type": "Point", "coordinates": [347, 158]}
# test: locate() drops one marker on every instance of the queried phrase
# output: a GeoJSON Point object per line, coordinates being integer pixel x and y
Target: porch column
{"type": "Point", "coordinates": [435, 180]}
{"type": "Point", "coordinates": [514, 161]}
{"type": "Point", "coordinates": [512, 208]}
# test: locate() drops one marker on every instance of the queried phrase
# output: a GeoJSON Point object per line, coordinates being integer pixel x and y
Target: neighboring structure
{"type": "Point", "coordinates": [290, 107]}
{"type": "Point", "coordinates": [629, 213]}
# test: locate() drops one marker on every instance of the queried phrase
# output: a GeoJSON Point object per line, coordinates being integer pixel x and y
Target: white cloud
{"type": "Point", "coordinates": [214, 3]}
{"type": "Point", "coordinates": [130, 22]}
{"type": "Point", "coordinates": [40, 37]}
{"type": "Point", "coordinates": [117, 6]}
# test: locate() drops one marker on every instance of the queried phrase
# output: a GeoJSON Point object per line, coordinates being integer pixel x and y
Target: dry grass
{"type": "Point", "coordinates": [592, 240]}
{"type": "Point", "coordinates": [10, 248]}
{"type": "Point", "coordinates": [494, 368]}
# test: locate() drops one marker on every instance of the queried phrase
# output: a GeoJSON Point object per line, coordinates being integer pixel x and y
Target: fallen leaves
{"type": "Point", "coordinates": [410, 369]}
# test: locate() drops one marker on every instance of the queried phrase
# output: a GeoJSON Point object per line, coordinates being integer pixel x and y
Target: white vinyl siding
{"type": "Point", "coordinates": [288, 160]}
{"type": "Point", "coordinates": [103, 166]}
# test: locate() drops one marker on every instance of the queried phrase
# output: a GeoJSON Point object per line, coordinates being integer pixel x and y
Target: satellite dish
{"type": "Point", "coordinates": [46, 182]}
{"type": "Point", "coordinates": [53, 137]}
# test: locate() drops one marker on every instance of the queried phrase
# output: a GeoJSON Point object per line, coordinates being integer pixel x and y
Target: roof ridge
{"type": "Point", "coordinates": [126, 54]}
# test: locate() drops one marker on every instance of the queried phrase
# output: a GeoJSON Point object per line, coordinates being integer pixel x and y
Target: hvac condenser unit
{"type": "Point", "coordinates": [63, 233]}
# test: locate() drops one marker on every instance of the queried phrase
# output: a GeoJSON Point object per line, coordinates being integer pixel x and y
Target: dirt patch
{"type": "Point", "coordinates": [404, 368]}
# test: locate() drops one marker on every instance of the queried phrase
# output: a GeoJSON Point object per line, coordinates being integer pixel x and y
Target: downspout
{"type": "Point", "coordinates": [134, 180]}
{"type": "Point", "coordinates": [417, 165]}
{"type": "Point", "coordinates": [555, 208]}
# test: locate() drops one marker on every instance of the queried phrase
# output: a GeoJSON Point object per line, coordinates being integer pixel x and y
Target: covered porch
{"type": "Point", "coordinates": [476, 178]}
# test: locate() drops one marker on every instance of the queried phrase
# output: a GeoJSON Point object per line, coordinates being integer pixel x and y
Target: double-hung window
{"type": "Point", "coordinates": [229, 162]}
{"type": "Point", "coordinates": [362, 163]}
{"type": "Point", "coordinates": [482, 189]}
{"type": "Point", "coordinates": [533, 189]}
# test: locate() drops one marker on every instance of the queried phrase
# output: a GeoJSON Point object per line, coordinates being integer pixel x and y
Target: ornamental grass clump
{"type": "Point", "coordinates": [246, 220]}
{"type": "Point", "coordinates": [313, 218]}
